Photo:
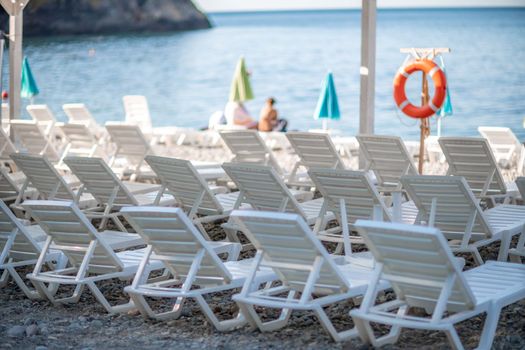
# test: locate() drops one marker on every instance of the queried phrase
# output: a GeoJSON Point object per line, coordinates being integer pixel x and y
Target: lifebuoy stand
{"type": "Point", "coordinates": [421, 53]}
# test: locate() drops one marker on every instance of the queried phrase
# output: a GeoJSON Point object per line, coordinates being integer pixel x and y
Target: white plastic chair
{"type": "Point", "coordinates": [424, 274]}
{"type": "Point", "coordinates": [388, 158]}
{"type": "Point", "coordinates": [190, 260]}
{"type": "Point", "coordinates": [448, 203]}
{"type": "Point", "coordinates": [505, 146]}
{"type": "Point", "coordinates": [310, 278]}
{"type": "Point", "coordinates": [44, 117]}
{"type": "Point", "coordinates": [90, 258]}
{"type": "Point", "coordinates": [80, 141]}
{"type": "Point", "coordinates": [78, 113]}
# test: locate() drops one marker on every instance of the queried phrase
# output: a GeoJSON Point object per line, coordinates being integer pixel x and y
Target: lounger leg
{"type": "Point", "coordinates": [477, 257]}
{"type": "Point", "coordinates": [145, 310]}
{"type": "Point", "coordinates": [366, 333]}
{"type": "Point", "coordinates": [30, 293]}
{"type": "Point", "coordinates": [329, 327]}
{"type": "Point", "coordinates": [489, 328]}
{"type": "Point", "coordinates": [453, 338]}
{"type": "Point", "coordinates": [222, 326]}
{"type": "Point", "coordinates": [102, 299]}
{"type": "Point", "coordinates": [4, 278]}
{"type": "Point", "coordinates": [503, 253]}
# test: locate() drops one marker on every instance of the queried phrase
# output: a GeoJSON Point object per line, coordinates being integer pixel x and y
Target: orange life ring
{"type": "Point", "coordinates": [440, 85]}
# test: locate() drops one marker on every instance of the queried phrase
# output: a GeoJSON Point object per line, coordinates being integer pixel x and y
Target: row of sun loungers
{"type": "Point", "coordinates": [75, 211]}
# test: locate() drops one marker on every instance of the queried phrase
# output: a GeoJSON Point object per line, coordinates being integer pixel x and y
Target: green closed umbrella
{"type": "Point", "coordinates": [29, 89]}
{"type": "Point", "coordinates": [327, 105]}
{"type": "Point", "coordinates": [240, 89]}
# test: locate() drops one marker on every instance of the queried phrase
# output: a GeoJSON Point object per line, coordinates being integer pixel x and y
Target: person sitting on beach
{"type": "Point", "coordinates": [268, 118]}
{"type": "Point", "coordinates": [237, 114]}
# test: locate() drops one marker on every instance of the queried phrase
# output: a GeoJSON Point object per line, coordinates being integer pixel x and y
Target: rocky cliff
{"type": "Point", "coordinates": [64, 17]}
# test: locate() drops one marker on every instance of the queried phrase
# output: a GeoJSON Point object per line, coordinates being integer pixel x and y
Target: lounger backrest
{"type": "Point", "coordinates": [130, 141]}
{"type": "Point", "coordinates": [175, 241]}
{"type": "Point", "coordinates": [99, 180]}
{"type": "Point", "coordinates": [78, 113]}
{"type": "Point", "coordinates": [247, 146]}
{"type": "Point", "coordinates": [417, 262]}
{"type": "Point", "coordinates": [455, 204]}
{"type": "Point", "coordinates": [80, 139]}
{"type": "Point", "coordinates": [502, 141]}
{"type": "Point", "coordinates": [315, 150]}
{"type": "Point", "coordinates": [6, 146]}
{"type": "Point", "coordinates": [43, 176]}
{"type": "Point", "coordinates": [42, 115]}
{"type": "Point", "coordinates": [8, 189]}
{"type": "Point", "coordinates": [185, 183]}
{"type": "Point", "coordinates": [72, 233]}
{"type": "Point", "coordinates": [472, 158]}
{"type": "Point", "coordinates": [30, 138]}
{"type": "Point", "coordinates": [387, 157]}
{"type": "Point", "coordinates": [291, 249]}
{"type": "Point", "coordinates": [23, 247]}
{"type": "Point", "coordinates": [354, 187]}
{"type": "Point", "coordinates": [137, 111]}
{"type": "Point", "coordinates": [262, 188]}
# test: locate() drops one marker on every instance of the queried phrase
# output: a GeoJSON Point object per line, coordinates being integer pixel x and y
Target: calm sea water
{"type": "Point", "coordinates": [186, 76]}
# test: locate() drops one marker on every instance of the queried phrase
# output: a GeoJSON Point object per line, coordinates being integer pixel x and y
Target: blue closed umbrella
{"type": "Point", "coordinates": [446, 109]}
{"type": "Point", "coordinates": [327, 105]}
{"type": "Point", "coordinates": [29, 89]}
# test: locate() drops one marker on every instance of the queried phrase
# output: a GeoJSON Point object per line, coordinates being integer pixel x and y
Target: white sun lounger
{"type": "Point", "coordinates": [424, 274]}
{"type": "Point", "coordinates": [79, 114]}
{"type": "Point", "coordinates": [505, 146]}
{"type": "Point", "coordinates": [314, 150]}
{"type": "Point", "coordinates": [388, 158]}
{"type": "Point", "coordinates": [42, 176]}
{"type": "Point", "coordinates": [472, 158]}
{"type": "Point", "coordinates": [109, 191]}
{"type": "Point", "coordinates": [310, 278]}
{"type": "Point", "coordinates": [90, 258]}
{"type": "Point", "coordinates": [10, 188]}
{"type": "Point", "coordinates": [81, 141]}
{"type": "Point", "coordinates": [30, 138]}
{"type": "Point", "coordinates": [447, 203]}
{"type": "Point", "coordinates": [6, 146]}
{"type": "Point", "coordinates": [44, 117]}
{"type": "Point", "coordinates": [191, 262]}
{"type": "Point", "coordinates": [351, 195]}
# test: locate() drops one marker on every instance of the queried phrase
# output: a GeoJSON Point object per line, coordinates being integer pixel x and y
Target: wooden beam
{"type": "Point", "coordinates": [368, 69]}
{"type": "Point", "coordinates": [15, 64]}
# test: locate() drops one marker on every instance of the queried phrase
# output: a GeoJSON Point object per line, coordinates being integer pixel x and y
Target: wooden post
{"type": "Point", "coordinates": [367, 70]}
{"type": "Point", "coordinates": [421, 53]}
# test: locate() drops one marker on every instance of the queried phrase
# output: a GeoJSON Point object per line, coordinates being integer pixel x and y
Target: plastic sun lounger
{"type": "Point", "coordinates": [78, 113]}
{"type": "Point", "coordinates": [10, 187]}
{"type": "Point", "coordinates": [447, 202]}
{"type": "Point", "coordinates": [424, 274]}
{"type": "Point", "coordinates": [80, 141]}
{"type": "Point", "coordinates": [388, 158]}
{"type": "Point", "coordinates": [518, 252]}
{"type": "Point", "coordinates": [31, 139]}
{"type": "Point", "coordinates": [310, 278]}
{"type": "Point", "coordinates": [44, 117]}
{"type": "Point", "coordinates": [472, 158]}
{"type": "Point", "coordinates": [191, 262]}
{"type": "Point", "coordinates": [90, 258]}
{"type": "Point", "coordinates": [314, 150]}
{"type": "Point", "coordinates": [109, 191]}
{"type": "Point", "coordinates": [247, 146]}
{"type": "Point", "coordinates": [505, 146]}
{"type": "Point", "coordinates": [6, 146]}
{"type": "Point", "coordinates": [351, 195]}
{"type": "Point", "coordinates": [42, 176]}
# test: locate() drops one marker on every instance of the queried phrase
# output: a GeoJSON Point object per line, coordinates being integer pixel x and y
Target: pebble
{"type": "Point", "coordinates": [41, 347]}
{"type": "Point", "coordinates": [31, 330]}
{"type": "Point", "coordinates": [16, 331]}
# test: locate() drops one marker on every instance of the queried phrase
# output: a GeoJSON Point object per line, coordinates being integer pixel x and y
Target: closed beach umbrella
{"type": "Point", "coordinates": [241, 90]}
{"type": "Point", "coordinates": [446, 109]}
{"type": "Point", "coordinates": [327, 105]}
{"type": "Point", "coordinates": [28, 86]}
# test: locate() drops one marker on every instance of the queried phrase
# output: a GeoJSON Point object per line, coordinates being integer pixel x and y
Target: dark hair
{"type": "Point", "coordinates": [271, 100]}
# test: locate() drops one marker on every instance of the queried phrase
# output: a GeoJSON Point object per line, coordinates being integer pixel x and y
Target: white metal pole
{"type": "Point", "coordinates": [15, 64]}
{"type": "Point", "coordinates": [368, 69]}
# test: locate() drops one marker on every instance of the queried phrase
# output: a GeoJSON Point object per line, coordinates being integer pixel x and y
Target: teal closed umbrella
{"type": "Point", "coordinates": [446, 109]}
{"type": "Point", "coordinates": [29, 89]}
{"type": "Point", "coordinates": [327, 105]}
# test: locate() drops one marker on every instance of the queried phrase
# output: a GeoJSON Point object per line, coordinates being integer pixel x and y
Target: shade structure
{"type": "Point", "coordinates": [241, 89]}
{"type": "Point", "coordinates": [327, 105]}
{"type": "Point", "coordinates": [28, 89]}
